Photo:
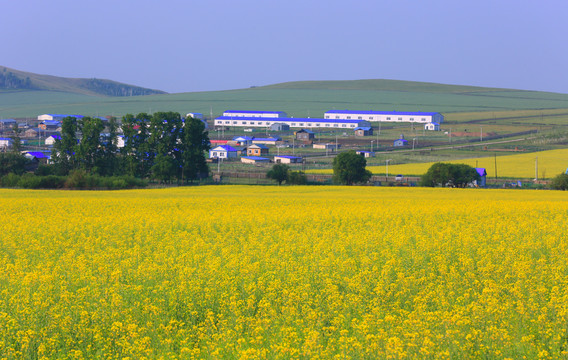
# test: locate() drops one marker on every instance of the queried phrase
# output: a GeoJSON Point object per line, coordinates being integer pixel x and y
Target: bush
{"type": "Point", "coordinates": [11, 180]}
{"type": "Point", "coordinates": [451, 175]}
{"type": "Point", "coordinates": [52, 182]}
{"type": "Point", "coordinates": [29, 181]}
{"type": "Point", "coordinates": [560, 182]}
{"type": "Point", "coordinates": [296, 178]}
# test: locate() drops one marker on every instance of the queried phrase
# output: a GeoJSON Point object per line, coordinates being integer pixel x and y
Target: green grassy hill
{"type": "Point", "coordinates": [301, 99]}
{"type": "Point", "coordinates": [15, 80]}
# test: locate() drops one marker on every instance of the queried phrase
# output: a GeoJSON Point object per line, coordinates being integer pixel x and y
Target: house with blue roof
{"type": "Point", "coordinates": [266, 141]}
{"type": "Point", "coordinates": [305, 135]}
{"type": "Point", "coordinates": [433, 126]}
{"type": "Point", "coordinates": [57, 117]}
{"type": "Point", "coordinates": [386, 116]}
{"type": "Point", "coordinates": [363, 131]}
{"type": "Point", "coordinates": [254, 159]}
{"type": "Point", "coordinates": [400, 142]}
{"type": "Point", "coordinates": [6, 143]}
{"type": "Point", "coordinates": [243, 140]}
{"type": "Point", "coordinates": [257, 150]}
{"type": "Point", "coordinates": [50, 140]}
{"type": "Point", "coordinates": [365, 153]}
{"type": "Point", "coordinates": [7, 124]}
{"type": "Point", "coordinates": [482, 182]}
{"type": "Point", "coordinates": [223, 152]}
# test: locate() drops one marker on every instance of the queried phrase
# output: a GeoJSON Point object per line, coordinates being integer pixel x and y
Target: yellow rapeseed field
{"type": "Point", "coordinates": [273, 272]}
{"type": "Point", "coordinates": [524, 165]}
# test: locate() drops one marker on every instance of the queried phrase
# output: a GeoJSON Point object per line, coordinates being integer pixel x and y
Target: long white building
{"type": "Point", "coordinates": [263, 114]}
{"type": "Point", "coordinates": [310, 123]}
{"type": "Point", "coordinates": [386, 116]}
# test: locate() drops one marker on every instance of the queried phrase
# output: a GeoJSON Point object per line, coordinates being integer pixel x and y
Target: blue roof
{"type": "Point", "coordinates": [364, 128]}
{"type": "Point", "coordinates": [481, 171]}
{"type": "Point", "coordinates": [255, 112]}
{"type": "Point", "coordinates": [245, 138]}
{"type": "Point", "coordinates": [266, 139]}
{"type": "Point", "coordinates": [254, 158]}
{"type": "Point", "coordinates": [288, 157]}
{"type": "Point", "coordinates": [287, 120]}
{"type": "Point", "coordinates": [38, 154]}
{"type": "Point", "coordinates": [372, 112]}
{"type": "Point", "coordinates": [225, 147]}
{"type": "Point", "coordinates": [306, 131]}
{"type": "Point", "coordinates": [5, 138]}
{"type": "Point", "coordinates": [7, 120]}
{"type": "Point", "coordinates": [57, 137]}
{"type": "Point", "coordinates": [64, 115]}
{"type": "Point", "coordinates": [259, 146]}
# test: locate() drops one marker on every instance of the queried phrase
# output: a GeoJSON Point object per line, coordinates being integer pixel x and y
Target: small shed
{"type": "Point", "coordinates": [266, 141]}
{"type": "Point", "coordinates": [482, 177]}
{"type": "Point", "coordinates": [7, 124]}
{"type": "Point", "coordinates": [305, 135]}
{"type": "Point", "coordinates": [363, 131]}
{"type": "Point", "coordinates": [279, 127]}
{"type": "Point", "coordinates": [223, 152]}
{"type": "Point", "coordinates": [401, 141]}
{"type": "Point", "coordinates": [366, 154]}
{"type": "Point", "coordinates": [328, 146]}
{"type": "Point", "coordinates": [287, 159]}
{"type": "Point", "coordinates": [254, 160]}
{"type": "Point", "coordinates": [433, 126]}
{"type": "Point", "coordinates": [243, 140]}
{"type": "Point", "coordinates": [257, 150]}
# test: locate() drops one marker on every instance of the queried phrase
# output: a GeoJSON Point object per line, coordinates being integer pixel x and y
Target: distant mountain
{"type": "Point", "coordinates": [11, 79]}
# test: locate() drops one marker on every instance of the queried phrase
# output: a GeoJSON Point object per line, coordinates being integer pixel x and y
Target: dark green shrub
{"type": "Point", "coordinates": [560, 182]}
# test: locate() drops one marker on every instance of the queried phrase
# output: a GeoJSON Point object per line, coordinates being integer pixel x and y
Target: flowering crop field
{"type": "Point", "coordinates": [284, 273]}
{"type": "Point", "coordinates": [550, 164]}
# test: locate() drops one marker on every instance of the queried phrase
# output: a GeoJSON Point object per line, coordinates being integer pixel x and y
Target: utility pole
{"type": "Point", "coordinates": [536, 168]}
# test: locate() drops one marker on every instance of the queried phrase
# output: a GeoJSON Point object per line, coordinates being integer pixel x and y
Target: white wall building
{"type": "Point", "coordinates": [52, 139]}
{"type": "Point", "coordinates": [56, 117]}
{"type": "Point", "coordinates": [386, 116]}
{"type": "Point", "coordinates": [195, 115]}
{"type": "Point", "coordinates": [223, 152]}
{"type": "Point", "coordinates": [263, 114]}
{"type": "Point", "coordinates": [432, 126]}
{"type": "Point", "coordinates": [5, 143]}
{"type": "Point", "coordinates": [310, 123]}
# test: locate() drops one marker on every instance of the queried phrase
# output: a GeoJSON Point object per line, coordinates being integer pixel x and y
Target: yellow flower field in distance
{"type": "Point", "coordinates": [550, 164]}
{"type": "Point", "coordinates": [245, 272]}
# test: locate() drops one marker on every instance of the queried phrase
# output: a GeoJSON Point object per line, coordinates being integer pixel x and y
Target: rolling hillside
{"type": "Point", "coordinates": [15, 80]}
{"type": "Point", "coordinates": [302, 99]}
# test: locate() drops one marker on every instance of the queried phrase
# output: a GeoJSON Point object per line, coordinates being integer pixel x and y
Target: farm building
{"type": "Point", "coordinates": [56, 117]}
{"type": "Point", "coordinates": [243, 140]}
{"type": "Point", "coordinates": [5, 143]}
{"type": "Point", "coordinates": [432, 126]}
{"type": "Point", "coordinates": [49, 125]}
{"type": "Point", "coordinates": [120, 139]}
{"type": "Point", "coordinates": [482, 177]}
{"type": "Point", "coordinates": [363, 131]}
{"type": "Point", "coordinates": [328, 146]}
{"type": "Point", "coordinates": [223, 152]}
{"type": "Point", "coordinates": [32, 133]}
{"type": "Point", "coordinates": [304, 135]}
{"type": "Point", "coordinates": [257, 150]}
{"type": "Point", "coordinates": [254, 114]}
{"type": "Point", "coordinates": [39, 156]}
{"type": "Point", "coordinates": [287, 159]}
{"type": "Point", "coordinates": [279, 127]}
{"type": "Point", "coordinates": [254, 159]}
{"type": "Point", "coordinates": [7, 124]}
{"type": "Point", "coordinates": [51, 139]}
{"type": "Point", "coordinates": [256, 122]}
{"type": "Point", "coordinates": [400, 142]}
{"type": "Point", "coordinates": [198, 116]}
{"type": "Point", "coordinates": [386, 116]}
{"type": "Point", "coordinates": [266, 141]}
{"type": "Point", "coordinates": [366, 154]}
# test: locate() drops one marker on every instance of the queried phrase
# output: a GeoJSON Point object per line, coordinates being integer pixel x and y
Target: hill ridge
{"type": "Point", "coordinates": [12, 79]}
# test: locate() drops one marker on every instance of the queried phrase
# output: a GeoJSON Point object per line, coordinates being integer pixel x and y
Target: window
{"type": "Point", "coordinates": [335, 125]}
{"type": "Point", "coordinates": [214, 154]}
{"type": "Point", "coordinates": [349, 117]}
{"type": "Point", "coordinates": [244, 122]}
{"type": "Point", "coordinates": [388, 118]}
{"type": "Point", "coordinates": [399, 119]}
{"type": "Point", "coordinates": [301, 124]}
{"type": "Point", "coordinates": [360, 118]}
{"type": "Point", "coordinates": [370, 118]}
{"type": "Point", "coordinates": [293, 124]}
{"type": "Point", "coordinates": [227, 122]}
{"type": "Point", "coordinates": [318, 124]}
{"type": "Point", "coordinates": [327, 116]}
{"type": "Point", "coordinates": [337, 116]}
{"type": "Point", "coordinates": [309, 124]}
{"type": "Point", "coordinates": [252, 122]}
{"type": "Point", "coordinates": [423, 119]}
{"type": "Point", "coordinates": [352, 126]}
{"type": "Point", "coordinates": [326, 125]}
{"type": "Point", "coordinates": [343, 125]}
{"type": "Point", "coordinates": [411, 119]}
{"type": "Point", "coordinates": [234, 123]}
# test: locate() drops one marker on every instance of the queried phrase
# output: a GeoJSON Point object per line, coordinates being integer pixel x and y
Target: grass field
{"type": "Point", "coordinates": [284, 273]}
{"type": "Point", "coordinates": [297, 99]}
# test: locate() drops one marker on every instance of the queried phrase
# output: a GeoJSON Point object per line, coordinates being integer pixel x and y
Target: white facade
{"type": "Point", "coordinates": [385, 116]}
{"type": "Point", "coordinates": [195, 115]}
{"type": "Point", "coordinates": [432, 126]}
{"type": "Point", "coordinates": [255, 122]}
{"type": "Point", "coordinates": [223, 152]}
{"type": "Point", "coordinates": [263, 114]}
{"type": "Point", "coordinates": [50, 140]}
{"type": "Point", "coordinates": [5, 143]}
{"type": "Point", "coordinates": [120, 141]}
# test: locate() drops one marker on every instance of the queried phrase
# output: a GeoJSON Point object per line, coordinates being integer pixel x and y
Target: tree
{"type": "Point", "coordinates": [451, 175]}
{"type": "Point", "coordinates": [193, 147]}
{"type": "Point", "coordinates": [279, 172]}
{"type": "Point", "coordinates": [349, 168]}
{"type": "Point", "coordinates": [64, 155]}
{"type": "Point", "coordinates": [296, 178]}
{"type": "Point", "coordinates": [560, 182]}
{"type": "Point", "coordinates": [16, 140]}
{"type": "Point", "coordinates": [90, 150]}
{"type": "Point", "coordinates": [11, 162]}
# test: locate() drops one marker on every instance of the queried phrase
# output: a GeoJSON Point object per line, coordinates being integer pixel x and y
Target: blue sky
{"type": "Point", "coordinates": [181, 46]}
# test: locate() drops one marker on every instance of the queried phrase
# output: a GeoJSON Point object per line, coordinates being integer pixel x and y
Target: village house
{"type": "Point", "coordinates": [257, 150]}
{"type": "Point", "coordinates": [363, 131]}
{"type": "Point", "coordinates": [305, 135]}
{"type": "Point", "coordinates": [287, 159]}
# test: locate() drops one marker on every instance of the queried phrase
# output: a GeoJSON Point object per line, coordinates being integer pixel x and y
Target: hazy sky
{"type": "Point", "coordinates": [196, 45]}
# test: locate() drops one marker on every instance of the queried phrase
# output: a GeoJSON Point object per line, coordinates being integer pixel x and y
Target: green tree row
{"type": "Point", "coordinates": [161, 146]}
